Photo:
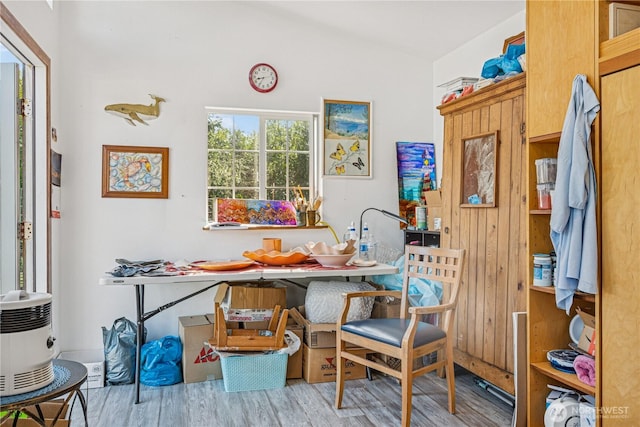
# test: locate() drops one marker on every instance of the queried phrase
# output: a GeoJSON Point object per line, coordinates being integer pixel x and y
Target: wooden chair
{"type": "Point", "coordinates": [408, 337]}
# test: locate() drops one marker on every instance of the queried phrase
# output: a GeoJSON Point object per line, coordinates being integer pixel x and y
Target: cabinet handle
{"type": "Point", "coordinates": [446, 230]}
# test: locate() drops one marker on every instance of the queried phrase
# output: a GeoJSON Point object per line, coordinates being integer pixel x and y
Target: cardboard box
{"type": "Point", "coordinates": [588, 336]}
{"type": "Point", "coordinates": [249, 305]}
{"type": "Point", "coordinates": [29, 422]}
{"type": "Point", "coordinates": [93, 360]}
{"type": "Point", "coordinates": [318, 365]}
{"type": "Point", "coordinates": [386, 309]}
{"type": "Point", "coordinates": [316, 335]}
{"type": "Point", "coordinates": [434, 209]}
{"type": "Point", "coordinates": [252, 295]}
{"type": "Point", "coordinates": [294, 367]}
{"type": "Point", "coordinates": [199, 362]}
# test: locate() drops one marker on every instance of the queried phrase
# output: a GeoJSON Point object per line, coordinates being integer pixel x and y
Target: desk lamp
{"type": "Point", "coordinates": [385, 213]}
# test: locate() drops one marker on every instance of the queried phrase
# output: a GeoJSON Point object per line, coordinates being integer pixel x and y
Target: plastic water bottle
{"type": "Point", "coordinates": [372, 247]}
{"type": "Point", "coordinates": [364, 243]}
{"type": "Point", "coordinates": [351, 233]}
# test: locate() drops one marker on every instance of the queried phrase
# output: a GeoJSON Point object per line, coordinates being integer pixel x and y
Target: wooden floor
{"type": "Point", "coordinates": [365, 403]}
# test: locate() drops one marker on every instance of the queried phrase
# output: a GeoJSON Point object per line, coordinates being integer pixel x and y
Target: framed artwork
{"type": "Point", "coordinates": [347, 139]}
{"type": "Point", "coordinates": [135, 171]}
{"type": "Point", "coordinates": [416, 174]}
{"type": "Point", "coordinates": [479, 169]}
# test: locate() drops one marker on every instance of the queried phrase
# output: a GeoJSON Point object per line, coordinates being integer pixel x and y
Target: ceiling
{"type": "Point", "coordinates": [428, 29]}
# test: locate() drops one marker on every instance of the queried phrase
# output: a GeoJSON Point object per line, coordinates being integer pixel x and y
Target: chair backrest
{"type": "Point", "coordinates": [435, 264]}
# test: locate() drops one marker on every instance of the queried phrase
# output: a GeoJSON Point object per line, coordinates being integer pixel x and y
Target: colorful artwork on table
{"type": "Point", "coordinates": [416, 174]}
{"type": "Point", "coordinates": [260, 212]}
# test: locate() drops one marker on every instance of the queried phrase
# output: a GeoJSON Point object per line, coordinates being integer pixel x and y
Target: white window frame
{"type": "Point", "coordinates": [264, 115]}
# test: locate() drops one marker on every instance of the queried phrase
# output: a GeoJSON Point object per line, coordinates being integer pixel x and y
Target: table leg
{"type": "Point", "coordinates": [139, 337]}
{"type": "Point", "coordinates": [83, 403]}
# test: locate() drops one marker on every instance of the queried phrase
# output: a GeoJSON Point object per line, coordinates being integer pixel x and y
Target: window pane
{"type": "Point", "coordinates": [299, 169]}
{"type": "Point", "coordinates": [299, 136]}
{"type": "Point", "coordinates": [247, 193]}
{"type": "Point", "coordinates": [277, 169]}
{"type": "Point", "coordinates": [220, 130]}
{"type": "Point", "coordinates": [220, 193]}
{"type": "Point", "coordinates": [246, 134]}
{"type": "Point", "coordinates": [277, 194]}
{"type": "Point", "coordinates": [277, 134]}
{"type": "Point", "coordinates": [247, 169]}
{"type": "Point", "coordinates": [220, 167]}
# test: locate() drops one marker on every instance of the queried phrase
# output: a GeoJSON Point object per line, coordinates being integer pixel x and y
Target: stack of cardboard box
{"type": "Point", "coordinates": [319, 351]}
{"type": "Point", "coordinates": [248, 305]}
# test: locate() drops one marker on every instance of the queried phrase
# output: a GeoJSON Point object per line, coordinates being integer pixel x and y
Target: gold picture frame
{"type": "Point", "coordinates": [479, 170]}
{"type": "Point", "coordinates": [135, 172]}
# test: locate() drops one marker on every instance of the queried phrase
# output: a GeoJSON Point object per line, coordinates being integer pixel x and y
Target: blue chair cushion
{"type": "Point", "coordinates": [391, 331]}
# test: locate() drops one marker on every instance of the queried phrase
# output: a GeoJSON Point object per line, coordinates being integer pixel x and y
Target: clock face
{"type": "Point", "coordinates": [263, 77]}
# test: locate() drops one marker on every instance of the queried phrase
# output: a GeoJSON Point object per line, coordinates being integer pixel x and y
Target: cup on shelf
{"type": "Point", "coordinates": [546, 170]}
{"type": "Point", "coordinates": [544, 195]}
{"type": "Point", "coordinates": [313, 217]}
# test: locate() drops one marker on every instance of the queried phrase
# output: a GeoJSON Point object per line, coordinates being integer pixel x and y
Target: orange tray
{"type": "Point", "coordinates": [222, 265]}
{"type": "Point", "coordinates": [275, 257]}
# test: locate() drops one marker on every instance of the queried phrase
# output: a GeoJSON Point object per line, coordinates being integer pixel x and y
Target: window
{"type": "Point", "coordinates": [260, 155]}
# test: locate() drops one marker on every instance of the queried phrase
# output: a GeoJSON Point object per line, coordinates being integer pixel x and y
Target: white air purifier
{"type": "Point", "coordinates": [26, 342]}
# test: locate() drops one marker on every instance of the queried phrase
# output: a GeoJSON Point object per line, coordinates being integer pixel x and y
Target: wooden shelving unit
{"type": "Point", "coordinates": [551, 69]}
{"type": "Point", "coordinates": [612, 67]}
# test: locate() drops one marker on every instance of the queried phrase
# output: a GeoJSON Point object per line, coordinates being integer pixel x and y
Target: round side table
{"type": "Point", "coordinates": [71, 388]}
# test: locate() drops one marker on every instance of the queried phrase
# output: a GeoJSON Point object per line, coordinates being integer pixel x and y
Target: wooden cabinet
{"type": "Point", "coordinates": [493, 284]}
{"type": "Point", "coordinates": [620, 199]}
{"type": "Point", "coordinates": [561, 42]}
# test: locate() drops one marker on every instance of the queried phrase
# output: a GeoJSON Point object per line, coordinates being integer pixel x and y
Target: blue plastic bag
{"type": "Point", "coordinates": [504, 64]}
{"type": "Point", "coordinates": [160, 362]}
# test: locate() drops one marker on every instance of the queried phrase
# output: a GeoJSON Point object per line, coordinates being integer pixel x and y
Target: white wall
{"type": "Point", "coordinates": [195, 55]}
{"type": "Point", "coordinates": [198, 54]}
{"type": "Point", "coordinates": [467, 61]}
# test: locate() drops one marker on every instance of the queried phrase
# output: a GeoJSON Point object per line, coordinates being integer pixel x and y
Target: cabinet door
{"type": "Point", "coordinates": [620, 198]}
{"type": "Point", "coordinates": [556, 52]}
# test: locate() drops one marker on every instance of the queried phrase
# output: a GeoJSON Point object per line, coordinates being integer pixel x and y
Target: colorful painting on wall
{"type": "Point", "coordinates": [347, 139]}
{"type": "Point", "coordinates": [416, 174]}
{"type": "Point", "coordinates": [248, 211]}
{"type": "Point", "coordinates": [135, 171]}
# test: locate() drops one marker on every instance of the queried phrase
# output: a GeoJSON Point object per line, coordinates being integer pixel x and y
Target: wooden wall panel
{"type": "Point", "coordinates": [494, 237]}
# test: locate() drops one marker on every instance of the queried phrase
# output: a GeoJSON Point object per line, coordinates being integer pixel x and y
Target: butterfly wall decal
{"type": "Point", "coordinates": [340, 170]}
{"type": "Point", "coordinates": [355, 146]}
{"type": "Point", "coordinates": [359, 164]}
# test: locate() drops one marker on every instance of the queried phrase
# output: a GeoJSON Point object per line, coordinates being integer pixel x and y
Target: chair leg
{"type": "Point", "coordinates": [451, 381]}
{"type": "Point", "coordinates": [407, 392]}
{"type": "Point", "coordinates": [339, 374]}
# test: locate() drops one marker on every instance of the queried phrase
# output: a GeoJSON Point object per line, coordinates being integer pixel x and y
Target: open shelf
{"type": "Point", "coordinates": [570, 380]}
{"type": "Point", "coordinates": [552, 290]}
{"type": "Point", "coordinates": [551, 138]}
{"type": "Point", "coordinates": [540, 211]}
